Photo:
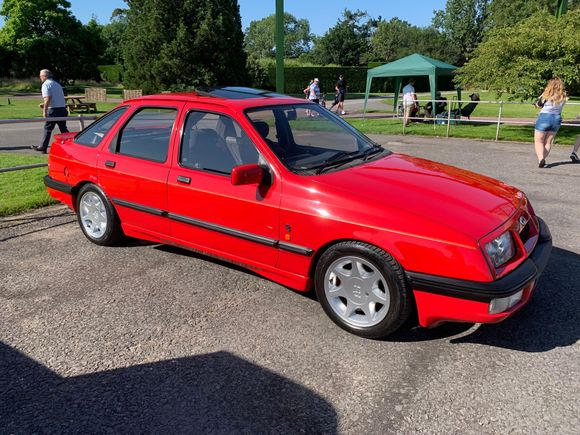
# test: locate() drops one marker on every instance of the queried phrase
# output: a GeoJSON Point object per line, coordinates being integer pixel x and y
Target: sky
{"type": "Point", "coordinates": [322, 14]}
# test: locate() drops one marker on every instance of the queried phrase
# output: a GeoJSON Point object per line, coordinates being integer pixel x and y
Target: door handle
{"type": "Point", "coordinates": [184, 180]}
{"type": "Point", "coordinates": [110, 163]}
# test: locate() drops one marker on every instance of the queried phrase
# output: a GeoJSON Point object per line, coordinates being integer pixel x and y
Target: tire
{"type": "Point", "coordinates": [97, 216]}
{"type": "Point", "coordinates": [362, 289]}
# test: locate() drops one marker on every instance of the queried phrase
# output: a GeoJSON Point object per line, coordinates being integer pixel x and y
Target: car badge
{"type": "Point", "coordinates": [523, 222]}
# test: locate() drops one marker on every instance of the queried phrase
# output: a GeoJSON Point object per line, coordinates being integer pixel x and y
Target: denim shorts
{"type": "Point", "coordinates": [548, 122]}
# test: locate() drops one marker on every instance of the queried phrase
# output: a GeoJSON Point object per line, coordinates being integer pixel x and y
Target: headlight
{"type": "Point", "coordinates": [500, 250]}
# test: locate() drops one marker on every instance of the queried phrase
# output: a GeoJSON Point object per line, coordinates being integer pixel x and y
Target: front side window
{"type": "Point", "coordinates": [309, 139]}
{"type": "Point", "coordinates": [147, 134]}
{"type": "Point", "coordinates": [93, 134]}
{"type": "Point", "coordinates": [215, 143]}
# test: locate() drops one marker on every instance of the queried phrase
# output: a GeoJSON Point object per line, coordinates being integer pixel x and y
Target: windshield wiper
{"type": "Point", "coordinates": [372, 151]}
{"type": "Point", "coordinates": [338, 160]}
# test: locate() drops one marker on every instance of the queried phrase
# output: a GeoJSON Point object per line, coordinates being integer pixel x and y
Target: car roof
{"type": "Point", "coordinates": [231, 96]}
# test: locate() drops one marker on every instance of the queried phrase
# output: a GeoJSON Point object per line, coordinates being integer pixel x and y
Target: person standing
{"type": "Point", "coordinates": [54, 107]}
{"type": "Point", "coordinates": [409, 101]}
{"type": "Point", "coordinates": [549, 119]}
{"type": "Point", "coordinates": [314, 92]}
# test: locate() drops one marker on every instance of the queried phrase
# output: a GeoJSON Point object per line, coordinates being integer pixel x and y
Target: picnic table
{"type": "Point", "coordinates": [75, 103]}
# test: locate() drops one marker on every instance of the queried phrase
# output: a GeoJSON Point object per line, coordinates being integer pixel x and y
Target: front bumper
{"type": "Point", "coordinates": [442, 299]}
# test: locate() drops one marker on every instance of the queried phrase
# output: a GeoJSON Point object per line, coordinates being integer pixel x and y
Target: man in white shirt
{"type": "Point", "coordinates": [409, 101]}
{"type": "Point", "coordinates": [54, 106]}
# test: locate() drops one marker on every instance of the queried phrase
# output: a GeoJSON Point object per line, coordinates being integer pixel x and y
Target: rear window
{"type": "Point", "coordinates": [94, 133]}
{"type": "Point", "coordinates": [147, 134]}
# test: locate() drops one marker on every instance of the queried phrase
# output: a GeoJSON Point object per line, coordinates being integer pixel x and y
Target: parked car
{"type": "Point", "coordinates": [291, 191]}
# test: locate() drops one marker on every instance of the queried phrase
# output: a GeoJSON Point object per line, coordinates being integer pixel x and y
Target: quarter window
{"type": "Point", "coordinates": [147, 134]}
{"type": "Point", "coordinates": [93, 134]}
{"type": "Point", "coordinates": [215, 143]}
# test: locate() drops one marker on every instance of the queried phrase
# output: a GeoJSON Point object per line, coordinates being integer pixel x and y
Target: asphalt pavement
{"type": "Point", "coordinates": [149, 338]}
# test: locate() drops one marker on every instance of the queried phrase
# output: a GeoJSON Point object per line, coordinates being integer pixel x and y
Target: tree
{"type": "Point", "coordinates": [464, 24]}
{"type": "Point", "coordinates": [520, 59]}
{"type": "Point", "coordinates": [504, 13]}
{"type": "Point", "coordinates": [395, 39]}
{"type": "Point", "coordinates": [112, 35]}
{"type": "Point", "coordinates": [180, 44]}
{"type": "Point", "coordinates": [260, 37]}
{"type": "Point", "coordinates": [347, 43]}
{"type": "Point", "coordinates": [45, 34]}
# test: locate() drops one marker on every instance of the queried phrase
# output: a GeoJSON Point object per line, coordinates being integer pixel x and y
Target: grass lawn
{"type": "Point", "coordinates": [22, 190]}
{"type": "Point", "coordinates": [22, 108]}
{"type": "Point", "coordinates": [566, 135]}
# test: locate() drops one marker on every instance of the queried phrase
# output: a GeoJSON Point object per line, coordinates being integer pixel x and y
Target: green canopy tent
{"type": "Point", "coordinates": [410, 66]}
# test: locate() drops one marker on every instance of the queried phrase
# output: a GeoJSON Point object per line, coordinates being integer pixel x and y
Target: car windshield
{"type": "Point", "coordinates": [309, 139]}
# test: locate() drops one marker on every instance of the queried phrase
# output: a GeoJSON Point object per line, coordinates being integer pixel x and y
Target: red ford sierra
{"type": "Point", "coordinates": [296, 194]}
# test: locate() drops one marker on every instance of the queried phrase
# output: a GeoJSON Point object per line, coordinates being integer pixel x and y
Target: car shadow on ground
{"type": "Point", "coordinates": [550, 320]}
{"type": "Point", "coordinates": [212, 393]}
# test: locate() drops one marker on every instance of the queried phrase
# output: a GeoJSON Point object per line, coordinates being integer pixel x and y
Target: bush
{"type": "Point", "coordinates": [297, 78]}
{"type": "Point", "coordinates": [111, 73]}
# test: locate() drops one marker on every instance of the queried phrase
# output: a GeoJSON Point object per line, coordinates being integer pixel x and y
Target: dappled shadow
{"type": "Point", "coordinates": [213, 393]}
{"type": "Point", "coordinates": [24, 220]}
{"type": "Point", "coordinates": [550, 320]}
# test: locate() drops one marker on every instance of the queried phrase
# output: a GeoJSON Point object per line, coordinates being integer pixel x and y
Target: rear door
{"type": "Point", "coordinates": [208, 212]}
{"type": "Point", "coordinates": [133, 169]}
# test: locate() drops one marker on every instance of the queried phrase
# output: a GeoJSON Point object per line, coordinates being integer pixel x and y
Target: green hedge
{"type": "Point", "coordinates": [298, 78]}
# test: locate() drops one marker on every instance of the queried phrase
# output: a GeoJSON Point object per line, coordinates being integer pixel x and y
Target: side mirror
{"type": "Point", "coordinates": [247, 174]}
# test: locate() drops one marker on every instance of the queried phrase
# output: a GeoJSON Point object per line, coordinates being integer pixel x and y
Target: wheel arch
{"type": "Point", "coordinates": [324, 248]}
{"type": "Point", "coordinates": [320, 252]}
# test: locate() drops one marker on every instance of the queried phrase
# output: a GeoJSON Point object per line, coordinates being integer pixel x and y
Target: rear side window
{"type": "Point", "coordinates": [146, 135]}
{"type": "Point", "coordinates": [94, 133]}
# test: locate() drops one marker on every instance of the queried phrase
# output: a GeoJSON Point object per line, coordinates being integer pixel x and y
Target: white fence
{"type": "Point", "coordinates": [499, 120]}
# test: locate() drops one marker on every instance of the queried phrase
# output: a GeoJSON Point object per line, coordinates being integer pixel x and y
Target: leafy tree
{"type": "Point", "coordinates": [112, 35]}
{"type": "Point", "coordinates": [347, 43]}
{"type": "Point", "coordinates": [395, 39]}
{"type": "Point", "coordinates": [260, 38]}
{"type": "Point", "coordinates": [520, 59]}
{"type": "Point", "coordinates": [504, 13]}
{"type": "Point", "coordinates": [178, 44]}
{"type": "Point", "coordinates": [464, 24]}
{"type": "Point", "coordinates": [45, 34]}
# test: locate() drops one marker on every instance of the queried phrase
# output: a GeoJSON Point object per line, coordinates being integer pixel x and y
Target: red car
{"type": "Point", "coordinates": [291, 191]}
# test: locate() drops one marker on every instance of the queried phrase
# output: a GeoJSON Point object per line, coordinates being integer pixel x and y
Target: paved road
{"type": "Point", "coordinates": [147, 338]}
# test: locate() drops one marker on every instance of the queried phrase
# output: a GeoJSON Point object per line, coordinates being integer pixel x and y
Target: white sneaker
{"type": "Point", "coordinates": [343, 113]}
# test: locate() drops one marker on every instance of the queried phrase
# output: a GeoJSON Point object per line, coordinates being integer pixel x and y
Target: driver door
{"type": "Point", "coordinates": [206, 210]}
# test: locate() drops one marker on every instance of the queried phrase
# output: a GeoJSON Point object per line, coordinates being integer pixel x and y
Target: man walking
{"type": "Point", "coordinates": [54, 107]}
{"type": "Point", "coordinates": [409, 101]}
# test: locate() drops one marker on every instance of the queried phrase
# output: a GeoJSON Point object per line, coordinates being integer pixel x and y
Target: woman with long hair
{"type": "Point", "coordinates": [549, 119]}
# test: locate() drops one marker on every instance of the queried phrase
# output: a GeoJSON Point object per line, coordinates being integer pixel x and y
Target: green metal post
{"type": "Point", "coordinates": [280, 46]}
{"type": "Point", "coordinates": [562, 8]}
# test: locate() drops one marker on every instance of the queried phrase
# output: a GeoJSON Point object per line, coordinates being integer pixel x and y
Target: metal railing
{"type": "Point", "coordinates": [80, 118]}
{"type": "Point", "coordinates": [454, 107]}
